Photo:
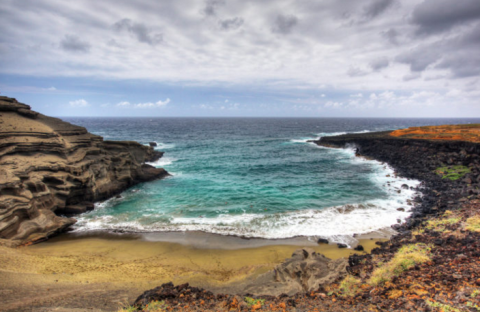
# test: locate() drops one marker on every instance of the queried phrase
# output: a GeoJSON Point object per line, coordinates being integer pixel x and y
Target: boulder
{"type": "Point", "coordinates": [152, 144]}
{"type": "Point", "coordinates": [322, 241]}
{"type": "Point", "coordinates": [359, 248]}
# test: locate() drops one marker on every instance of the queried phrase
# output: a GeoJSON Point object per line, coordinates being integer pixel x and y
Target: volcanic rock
{"type": "Point", "coordinates": [322, 241]}
{"type": "Point", "coordinates": [50, 168]}
{"type": "Point", "coordinates": [305, 271]}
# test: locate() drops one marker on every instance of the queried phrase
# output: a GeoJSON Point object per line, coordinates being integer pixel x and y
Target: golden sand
{"type": "Point", "coordinates": [127, 267]}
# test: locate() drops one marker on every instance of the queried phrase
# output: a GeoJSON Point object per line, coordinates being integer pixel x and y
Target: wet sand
{"type": "Point", "coordinates": [104, 271]}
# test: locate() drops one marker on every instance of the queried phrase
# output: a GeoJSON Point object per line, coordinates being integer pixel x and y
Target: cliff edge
{"type": "Point", "coordinates": [50, 168]}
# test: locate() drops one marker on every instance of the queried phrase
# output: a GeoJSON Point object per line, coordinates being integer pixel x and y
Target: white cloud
{"type": "Point", "coordinates": [79, 103]}
{"type": "Point", "coordinates": [144, 105]}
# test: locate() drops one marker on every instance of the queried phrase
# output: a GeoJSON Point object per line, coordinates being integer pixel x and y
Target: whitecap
{"type": "Point", "coordinates": [162, 162]}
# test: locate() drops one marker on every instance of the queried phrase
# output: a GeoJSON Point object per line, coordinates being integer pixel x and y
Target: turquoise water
{"type": "Point", "coordinates": [254, 178]}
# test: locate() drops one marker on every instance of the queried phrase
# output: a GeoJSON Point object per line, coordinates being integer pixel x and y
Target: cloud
{"type": "Point", "coordinates": [391, 35]}
{"type": "Point", "coordinates": [412, 76]}
{"type": "Point", "coordinates": [434, 16]}
{"type": "Point", "coordinates": [420, 57]}
{"type": "Point", "coordinates": [211, 6]}
{"type": "Point", "coordinates": [376, 7]}
{"type": "Point", "coordinates": [79, 103]}
{"type": "Point", "coordinates": [284, 24]}
{"type": "Point", "coordinates": [280, 46]}
{"type": "Point", "coordinates": [356, 72]}
{"type": "Point", "coordinates": [379, 63]}
{"type": "Point", "coordinates": [139, 30]}
{"type": "Point", "coordinates": [231, 24]}
{"type": "Point", "coordinates": [73, 43]}
{"type": "Point", "coordinates": [157, 104]}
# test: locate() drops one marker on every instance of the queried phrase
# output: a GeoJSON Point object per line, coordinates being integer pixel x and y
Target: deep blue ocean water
{"type": "Point", "coordinates": [254, 177]}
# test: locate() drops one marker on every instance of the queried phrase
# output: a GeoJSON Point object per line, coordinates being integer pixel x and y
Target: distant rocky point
{"type": "Point", "coordinates": [50, 169]}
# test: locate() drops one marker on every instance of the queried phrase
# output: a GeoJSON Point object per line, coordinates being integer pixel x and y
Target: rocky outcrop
{"type": "Point", "coordinates": [305, 271]}
{"type": "Point", "coordinates": [50, 168]}
{"type": "Point", "coordinates": [421, 159]}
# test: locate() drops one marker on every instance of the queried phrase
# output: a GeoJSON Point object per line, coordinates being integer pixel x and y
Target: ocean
{"type": "Point", "coordinates": [255, 177]}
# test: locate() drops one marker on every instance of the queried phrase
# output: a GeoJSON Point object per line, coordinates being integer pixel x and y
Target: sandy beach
{"type": "Point", "coordinates": [105, 271]}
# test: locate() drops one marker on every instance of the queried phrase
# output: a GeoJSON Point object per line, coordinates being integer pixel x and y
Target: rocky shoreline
{"type": "Point", "coordinates": [448, 281]}
{"type": "Point", "coordinates": [51, 170]}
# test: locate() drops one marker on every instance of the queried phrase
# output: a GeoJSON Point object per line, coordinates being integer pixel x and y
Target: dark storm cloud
{"type": "Point", "coordinates": [459, 55]}
{"type": "Point", "coordinates": [284, 24]}
{"type": "Point", "coordinates": [421, 57]}
{"type": "Point", "coordinates": [434, 16]}
{"type": "Point", "coordinates": [376, 8]}
{"type": "Point", "coordinates": [380, 63]}
{"type": "Point", "coordinates": [231, 24]}
{"type": "Point", "coordinates": [462, 64]}
{"type": "Point", "coordinates": [73, 43]}
{"type": "Point", "coordinates": [141, 32]}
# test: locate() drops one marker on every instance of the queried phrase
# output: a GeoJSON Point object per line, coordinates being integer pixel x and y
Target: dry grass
{"type": "Point", "coordinates": [473, 224]}
{"type": "Point", "coordinates": [406, 258]}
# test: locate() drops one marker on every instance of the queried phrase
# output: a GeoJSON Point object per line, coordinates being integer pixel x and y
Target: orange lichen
{"type": "Point", "coordinates": [469, 133]}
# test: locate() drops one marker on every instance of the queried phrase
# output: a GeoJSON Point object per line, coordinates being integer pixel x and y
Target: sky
{"type": "Point", "coordinates": [276, 58]}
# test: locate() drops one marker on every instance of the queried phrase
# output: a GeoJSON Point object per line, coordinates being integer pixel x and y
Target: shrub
{"type": "Point", "coordinates": [406, 258]}
{"type": "Point", "coordinates": [452, 172]}
{"type": "Point", "coordinates": [439, 225]}
{"type": "Point", "coordinates": [251, 302]}
{"type": "Point", "coordinates": [349, 286]}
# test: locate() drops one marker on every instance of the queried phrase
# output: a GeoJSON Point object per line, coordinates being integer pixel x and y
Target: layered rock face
{"type": "Point", "coordinates": [50, 168]}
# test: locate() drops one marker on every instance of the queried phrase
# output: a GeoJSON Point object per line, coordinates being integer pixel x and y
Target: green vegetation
{"type": "Point", "coordinates": [473, 305]}
{"type": "Point", "coordinates": [439, 224]}
{"type": "Point", "coordinates": [452, 172]}
{"type": "Point", "coordinates": [155, 306]}
{"type": "Point", "coordinates": [406, 258]}
{"type": "Point", "coordinates": [473, 224]}
{"type": "Point", "coordinates": [475, 293]}
{"type": "Point", "coordinates": [442, 307]}
{"type": "Point", "coordinates": [128, 309]}
{"type": "Point", "coordinates": [251, 302]}
{"type": "Point", "coordinates": [349, 286]}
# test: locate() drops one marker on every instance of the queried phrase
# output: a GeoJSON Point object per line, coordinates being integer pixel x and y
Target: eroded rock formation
{"type": "Point", "coordinates": [305, 271]}
{"type": "Point", "coordinates": [50, 168]}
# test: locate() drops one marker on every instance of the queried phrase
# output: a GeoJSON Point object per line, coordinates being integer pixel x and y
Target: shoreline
{"type": "Point", "coordinates": [205, 240]}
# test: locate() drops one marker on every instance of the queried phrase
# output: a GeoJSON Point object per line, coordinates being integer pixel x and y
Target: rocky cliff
{"type": "Point", "coordinates": [50, 169]}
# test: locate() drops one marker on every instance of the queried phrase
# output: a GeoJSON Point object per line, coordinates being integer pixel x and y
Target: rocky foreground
{"type": "Point", "coordinates": [51, 169]}
{"type": "Point", "coordinates": [433, 264]}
